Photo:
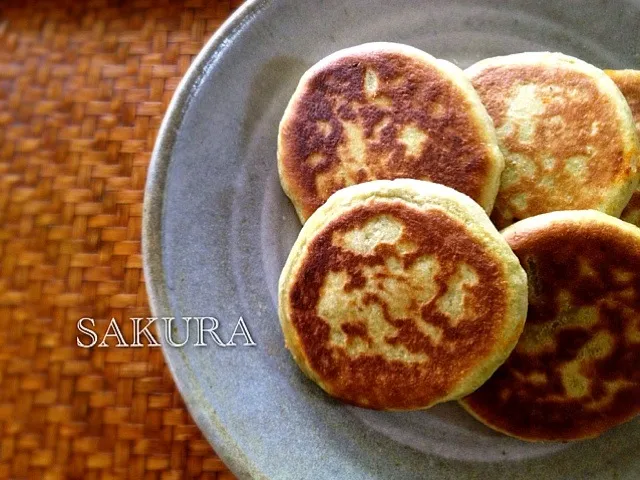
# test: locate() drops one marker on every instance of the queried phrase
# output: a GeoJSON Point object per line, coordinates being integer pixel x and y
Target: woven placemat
{"type": "Point", "coordinates": [83, 88]}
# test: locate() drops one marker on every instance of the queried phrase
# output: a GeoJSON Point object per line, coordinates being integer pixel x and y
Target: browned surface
{"type": "Point", "coordinates": [600, 268]}
{"type": "Point", "coordinates": [564, 129]}
{"type": "Point", "coordinates": [370, 378]}
{"type": "Point", "coordinates": [409, 93]}
{"type": "Point", "coordinates": [628, 81]}
{"type": "Point", "coordinates": [83, 88]}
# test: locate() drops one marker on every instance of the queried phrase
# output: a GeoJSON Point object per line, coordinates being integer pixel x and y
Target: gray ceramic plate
{"type": "Point", "coordinates": [217, 230]}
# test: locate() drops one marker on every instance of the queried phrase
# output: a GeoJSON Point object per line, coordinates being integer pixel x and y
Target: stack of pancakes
{"type": "Point", "coordinates": [400, 292]}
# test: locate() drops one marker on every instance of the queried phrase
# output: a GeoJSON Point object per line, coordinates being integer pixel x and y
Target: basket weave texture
{"type": "Point", "coordinates": [84, 85]}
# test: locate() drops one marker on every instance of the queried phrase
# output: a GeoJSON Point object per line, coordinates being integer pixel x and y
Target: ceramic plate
{"type": "Point", "coordinates": [218, 228]}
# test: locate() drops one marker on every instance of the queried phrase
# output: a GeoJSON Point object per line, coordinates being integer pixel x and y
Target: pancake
{"type": "Point", "coordinates": [628, 81]}
{"type": "Point", "coordinates": [575, 371]}
{"type": "Point", "coordinates": [399, 294]}
{"type": "Point", "coordinates": [566, 133]}
{"type": "Point", "coordinates": [385, 111]}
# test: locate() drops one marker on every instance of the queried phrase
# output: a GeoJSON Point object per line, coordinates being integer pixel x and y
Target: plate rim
{"type": "Point", "coordinates": [153, 207]}
{"type": "Point", "coordinates": [204, 415]}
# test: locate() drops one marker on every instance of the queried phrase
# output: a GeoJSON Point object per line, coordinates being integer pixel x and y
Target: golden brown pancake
{"type": "Point", "coordinates": [575, 371]}
{"type": "Point", "coordinates": [385, 111]}
{"type": "Point", "coordinates": [628, 81]}
{"type": "Point", "coordinates": [566, 133]}
{"type": "Point", "coordinates": [400, 294]}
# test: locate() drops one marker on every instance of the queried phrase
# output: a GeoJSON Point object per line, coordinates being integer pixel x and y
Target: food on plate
{"type": "Point", "coordinates": [566, 133]}
{"type": "Point", "coordinates": [385, 111]}
{"type": "Point", "coordinates": [574, 372]}
{"type": "Point", "coordinates": [400, 294]}
{"type": "Point", "coordinates": [628, 81]}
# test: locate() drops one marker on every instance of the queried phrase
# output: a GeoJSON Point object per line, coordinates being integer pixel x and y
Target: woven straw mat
{"type": "Point", "coordinates": [83, 88]}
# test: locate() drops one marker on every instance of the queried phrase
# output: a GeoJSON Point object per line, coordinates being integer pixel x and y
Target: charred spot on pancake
{"type": "Point", "coordinates": [381, 115]}
{"type": "Point", "coordinates": [393, 305]}
{"type": "Point", "coordinates": [574, 372]}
